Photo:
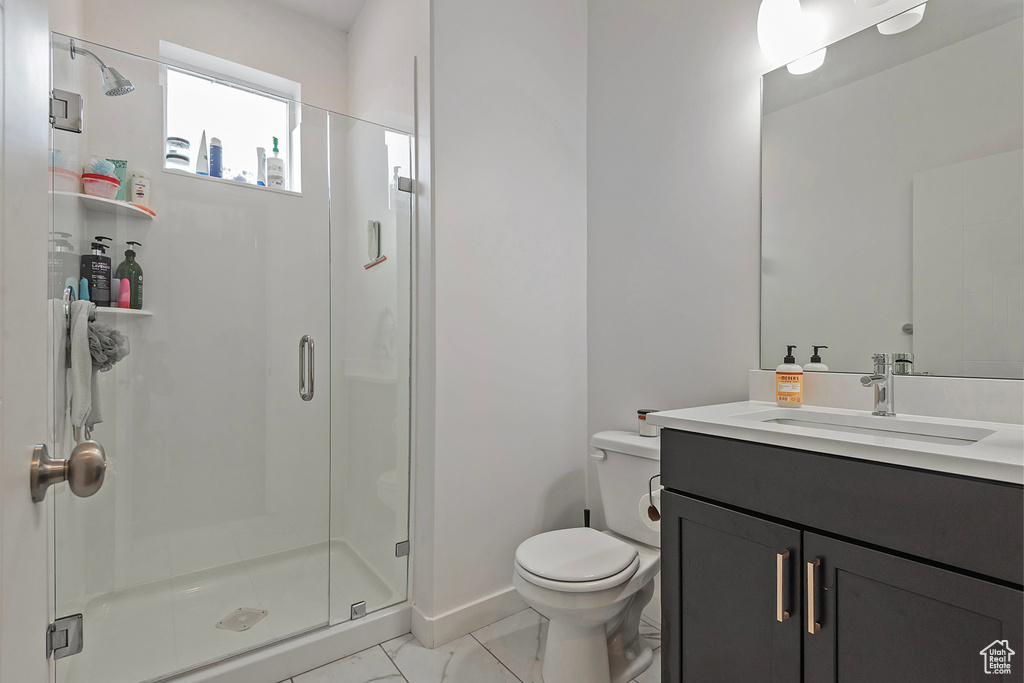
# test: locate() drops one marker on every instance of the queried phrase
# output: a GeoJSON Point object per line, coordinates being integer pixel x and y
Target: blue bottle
{"type": "Point", "coordinates": [216, 158]}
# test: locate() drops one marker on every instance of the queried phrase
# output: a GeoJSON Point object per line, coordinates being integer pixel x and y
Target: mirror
{"type": "Point", "coordinates": [892, 184]}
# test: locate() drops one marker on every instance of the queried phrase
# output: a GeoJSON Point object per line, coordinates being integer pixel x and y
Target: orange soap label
{"type": "Point", "coordinates": [789, 387]}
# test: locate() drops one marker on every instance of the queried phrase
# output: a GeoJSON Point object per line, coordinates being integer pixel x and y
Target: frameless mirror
{"type": "Point", "coordinates": [892, 187]}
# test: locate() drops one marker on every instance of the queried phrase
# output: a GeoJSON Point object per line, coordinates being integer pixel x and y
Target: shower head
{"type": "Point", "coordinates": [114, 83]}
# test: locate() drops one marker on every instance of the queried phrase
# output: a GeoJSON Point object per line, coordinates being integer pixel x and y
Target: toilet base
{"type": "Point", "coordinates": [576, 653]}
{"type": "Point", "coordinates": [587, 652]}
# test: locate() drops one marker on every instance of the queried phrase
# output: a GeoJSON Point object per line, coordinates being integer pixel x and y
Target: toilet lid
{"type": "Point", "coordinates": [582, 554]}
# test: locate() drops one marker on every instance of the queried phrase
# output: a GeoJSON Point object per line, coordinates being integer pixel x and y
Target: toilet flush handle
{"type": "Point", "coordinates": [598, 454]}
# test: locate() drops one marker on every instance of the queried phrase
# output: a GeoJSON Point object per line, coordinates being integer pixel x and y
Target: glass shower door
{"type": "Point", "coordinates": [208, 535]}
{"type": "Point", "coordinates": [371, 228]}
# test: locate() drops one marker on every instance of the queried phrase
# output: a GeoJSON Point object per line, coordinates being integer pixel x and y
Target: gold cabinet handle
{"type": "Point", "coordinates": [780, 577]}
{"type": "Point", "coordinates": [812, 614]}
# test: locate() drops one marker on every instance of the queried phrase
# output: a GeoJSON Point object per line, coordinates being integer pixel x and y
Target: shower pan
{"type": "Point", "coordinates": [257, 434]}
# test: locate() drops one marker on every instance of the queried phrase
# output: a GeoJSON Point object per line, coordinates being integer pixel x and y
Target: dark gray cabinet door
{"type": "Point", "coordinates": [721, 614]}
{"type": "Point", "coordinates": [885, 618]}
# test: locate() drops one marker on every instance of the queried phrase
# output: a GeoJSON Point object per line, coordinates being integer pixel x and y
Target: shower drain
{"type": "Point", "coordinates": [242, 619]}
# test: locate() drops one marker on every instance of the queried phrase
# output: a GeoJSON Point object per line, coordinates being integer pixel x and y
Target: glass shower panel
{"type": "Point", "coordinates": [217, 494]}
{"type": "Point", "coordinates": [371, 229]}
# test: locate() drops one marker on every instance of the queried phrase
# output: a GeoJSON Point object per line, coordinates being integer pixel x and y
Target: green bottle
{"type": "Point", "coordinates": [131, 270]}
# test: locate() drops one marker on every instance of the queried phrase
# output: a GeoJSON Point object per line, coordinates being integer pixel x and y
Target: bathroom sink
{"type": "Point", "coordinates": [873, 425]}
{"type": "Point", "coordinates": [984, 450]}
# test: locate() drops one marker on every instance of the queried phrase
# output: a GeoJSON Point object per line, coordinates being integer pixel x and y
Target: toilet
{"type": "Point", "coordinates": [592, 585]}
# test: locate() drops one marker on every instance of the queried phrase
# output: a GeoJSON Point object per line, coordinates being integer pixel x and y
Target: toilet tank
{"type": "Point", "coordinates": [625, 463]}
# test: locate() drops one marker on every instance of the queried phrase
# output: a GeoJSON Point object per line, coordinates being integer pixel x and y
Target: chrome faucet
{"type": "Point", "coordinates": [881, 380]}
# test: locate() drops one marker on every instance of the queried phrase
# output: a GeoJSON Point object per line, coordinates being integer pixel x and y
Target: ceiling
{"type": "Point", "coordinates": [340, 14]}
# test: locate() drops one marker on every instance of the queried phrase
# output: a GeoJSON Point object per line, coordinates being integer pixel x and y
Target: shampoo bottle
{"type": "Point", "coordinates": [789, 381]}
{"type": "Point", "coordinates": [261, 167]}
{"type": "Point", "coordinates": [131, 271]}
{"type": "Point", "coordinates": [216, 158]}
{"type": "Point", "coordinates": [275, 169]}
{"type": "Point", "coordinates": [96, 272]}
{"type": "Point", "coordinates": [816, 365]}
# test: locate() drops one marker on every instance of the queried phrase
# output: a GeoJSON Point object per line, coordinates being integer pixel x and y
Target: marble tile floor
{"type": "Point", "coordinates": [508, 651]}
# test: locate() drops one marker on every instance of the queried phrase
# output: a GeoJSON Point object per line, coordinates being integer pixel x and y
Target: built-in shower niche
{"type": "Point", "coordinates": [225, 489]}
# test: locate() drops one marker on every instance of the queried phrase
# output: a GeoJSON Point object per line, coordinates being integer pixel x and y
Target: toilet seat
{"type": "Point", "coordinates": [580, 586]}
{"type": "Point", "coordinates": [576, 560]}
{"type": "Point", "coordinates": [577, 554]}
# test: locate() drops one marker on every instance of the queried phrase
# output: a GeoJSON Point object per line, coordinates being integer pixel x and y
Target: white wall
{"type": "Point", "coordinates": [673, 170]}
{"type": "Point", "coordinates": [510, 204]}
{"type": "Point", "coordinates": [383, 43]}
{"type": "Point", "coordinates": [255, 33]}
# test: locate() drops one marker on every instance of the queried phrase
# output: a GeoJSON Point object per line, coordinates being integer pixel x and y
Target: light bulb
{"type": "Point", "coordinates": [806, 65]}
{"type": "Point", "coordinates": [902, 22]}
{"type": "Point", "coordinates": [776, 20]}
{"type": "Point", "coordinates": [785, 32]}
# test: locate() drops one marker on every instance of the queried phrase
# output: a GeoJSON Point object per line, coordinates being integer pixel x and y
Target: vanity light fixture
{"type": "Point", "coordinates": [902, 22]}
{"type": "Point", "coordinates": [784, 30]}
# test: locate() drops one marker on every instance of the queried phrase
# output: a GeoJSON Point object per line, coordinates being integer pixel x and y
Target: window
{"type": "Point", "coordinates": [242, 119]}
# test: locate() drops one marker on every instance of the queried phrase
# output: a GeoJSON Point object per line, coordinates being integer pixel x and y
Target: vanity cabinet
{"type": "Point", "coordinates": [759, 542]}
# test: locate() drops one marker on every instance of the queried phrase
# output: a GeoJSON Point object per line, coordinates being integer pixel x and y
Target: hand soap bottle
{"type": "Point", "coordinates": [816, 365]}
{"type": "Point", "coordinates": [789, 381]}
{"type": "Point", "coordinates": [275, 169]}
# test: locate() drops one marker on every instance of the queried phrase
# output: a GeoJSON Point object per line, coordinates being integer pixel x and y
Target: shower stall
{"type": "Point", "coordinates": [257, 433]}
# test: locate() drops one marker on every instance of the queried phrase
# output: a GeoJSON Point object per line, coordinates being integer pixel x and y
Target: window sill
{"type": "Point", "coordinates": [233, 183]}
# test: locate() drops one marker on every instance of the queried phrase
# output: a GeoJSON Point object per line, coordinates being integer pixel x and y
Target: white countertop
{"type": "Point", "coordinates": [998, 456]}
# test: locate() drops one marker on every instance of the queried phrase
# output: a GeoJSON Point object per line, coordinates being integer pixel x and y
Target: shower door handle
{"type": "Point", "coordinates": [307, 359]}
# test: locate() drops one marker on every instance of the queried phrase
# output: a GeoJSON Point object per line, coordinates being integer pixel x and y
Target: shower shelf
{"type": "Point", "coordinates": [122, 312]}
{"type": "Point", "coordinates": [112, 206]}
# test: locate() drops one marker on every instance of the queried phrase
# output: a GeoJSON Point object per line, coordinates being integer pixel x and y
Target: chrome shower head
{"type": "Point", "coordinates": [114, 84]}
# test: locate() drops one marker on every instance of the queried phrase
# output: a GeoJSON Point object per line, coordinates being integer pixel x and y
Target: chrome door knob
{"type": "Point", "coordinates": [84, 470]}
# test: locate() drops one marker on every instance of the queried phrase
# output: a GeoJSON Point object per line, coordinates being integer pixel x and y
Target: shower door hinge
{"type": "Point", "coordinates": [405, 184]}
{"type": "Point", "coordinates": [402, 549]}
{"type": "Point", "coordinates": [64, 637]}
{"type": "Point", "coordinates": [66, 110]}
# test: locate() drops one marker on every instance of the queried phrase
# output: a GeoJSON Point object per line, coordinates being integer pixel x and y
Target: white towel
{"type": "Point", "coordinates": [83, 387]}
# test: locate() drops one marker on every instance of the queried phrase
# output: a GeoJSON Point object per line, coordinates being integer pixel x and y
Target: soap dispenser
{"type": "Point", "coordinates": [275, 169]}
{"type": "Point", "coordinates": [789, 381]}
{"type": "Point", "coordinates": [96, 272]}
{"type": "Point", "coordinates": [130, 270]}
{"type": "Point", "coordinates": [816, 365]}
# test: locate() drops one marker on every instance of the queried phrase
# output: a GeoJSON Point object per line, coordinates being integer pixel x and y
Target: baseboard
{"type": "Point", "coordinates": [299, 655]}
{"type": "Point", "coordinates": [435, 631]}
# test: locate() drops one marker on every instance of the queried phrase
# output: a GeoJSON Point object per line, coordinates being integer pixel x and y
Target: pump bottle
{"type": "Point", "coordinates": [130, 270]}
{"type": "Point", "coordinates": [96, 272]}
{"type": "Point", "coordinates": [816, 365]}
{"type": "Point", "coordinates": [789, 381]}
{"type": "Point", "coordinates": [275, 169]}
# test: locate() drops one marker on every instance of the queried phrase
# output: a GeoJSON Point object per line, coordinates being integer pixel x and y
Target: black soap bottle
{"type": "Point", "coordinates": [96, 271]}
{"type": "Point", "coordinates": [130, 270]}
